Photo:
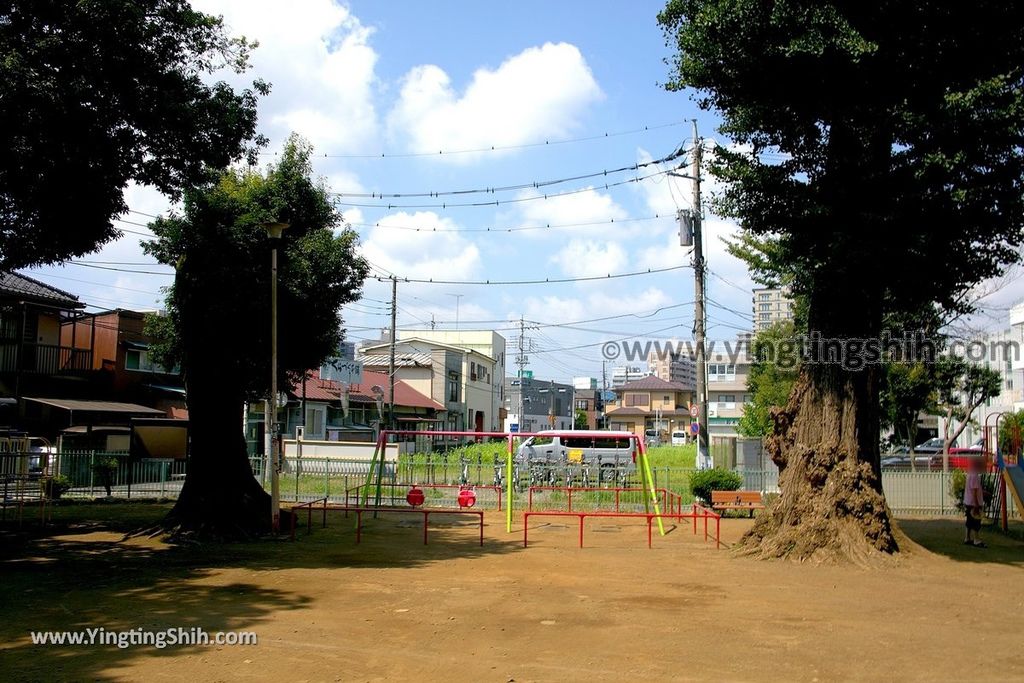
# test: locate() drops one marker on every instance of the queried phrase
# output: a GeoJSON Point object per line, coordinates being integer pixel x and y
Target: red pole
{"type": "Point", "coordinates": [481, 527]}
{"type": "Point", "coordinates": [526, 526]}
{"type": "Point", "coordinates": [718, 533]}
{"type": "Point", "coordinates": [705, 525]}
{"type": "Point", "coordinates": [581, 531]}
{"type": "Point", "coordinates": [694, 519]}
{"type": "Point", "coordinates": [325, 513]}
{"type": "Point", "coordinates": [426, 516]}
{"type": "Point", "coordinates": [649, 532]}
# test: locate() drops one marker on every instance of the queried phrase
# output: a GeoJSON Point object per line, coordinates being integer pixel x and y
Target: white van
{"type": "Point", "coordinates": [610, 450]}
{"type": "Point", "coordinates": [678, 438]}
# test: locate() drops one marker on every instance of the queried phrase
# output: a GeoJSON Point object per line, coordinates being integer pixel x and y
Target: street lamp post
{"type": "Point", "coordinates": [274, 231]}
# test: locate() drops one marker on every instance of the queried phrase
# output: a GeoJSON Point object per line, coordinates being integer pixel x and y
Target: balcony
{"type": "Point", "coordinates": [43, 359]}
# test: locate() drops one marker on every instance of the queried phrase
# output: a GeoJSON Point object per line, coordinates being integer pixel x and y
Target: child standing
{"type": "Point", "coordinates": [974, 501]}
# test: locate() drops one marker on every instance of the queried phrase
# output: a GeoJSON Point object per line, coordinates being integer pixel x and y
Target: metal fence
{"type": "Point", "coordinates": [310, 478]}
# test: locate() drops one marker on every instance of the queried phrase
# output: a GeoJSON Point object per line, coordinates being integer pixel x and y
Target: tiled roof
{"type": "Point", "coordinates": [652, 383]}
{"type": "Point", "coordinates": [23, 287]}
{"type": "Point", "coordinates": [318, 389]}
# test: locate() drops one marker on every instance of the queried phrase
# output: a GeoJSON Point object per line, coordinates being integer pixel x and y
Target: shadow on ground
{"type": "Point", "coordinates": [79, 573]}
{"type": "Point", "coordinates": [945, 537]}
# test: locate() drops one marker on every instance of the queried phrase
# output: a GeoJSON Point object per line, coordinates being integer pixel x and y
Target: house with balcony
{"type": "Point", "coordinates": [33, 359]}
{"type": "Point", "coordinates": [650, 403]}
{"type": "Point", "coordinates": [121, 364]}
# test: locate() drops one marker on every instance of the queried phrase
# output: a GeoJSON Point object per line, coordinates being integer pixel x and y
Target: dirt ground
{"type": "Point", "coordinates": [326, 609]}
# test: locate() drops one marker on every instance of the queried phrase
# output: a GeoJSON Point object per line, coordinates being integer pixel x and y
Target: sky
{"type": "Point", "coordinates": [402, 98]}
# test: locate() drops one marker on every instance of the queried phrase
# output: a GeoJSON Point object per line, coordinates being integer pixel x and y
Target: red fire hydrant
{"type": "Point", "coordinates": [415, 496]}
{"type": "Point", "coordinates": [467, 498]}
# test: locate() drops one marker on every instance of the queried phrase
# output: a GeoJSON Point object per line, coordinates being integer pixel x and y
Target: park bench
{"type": "Point", "coordinates": [737, 500]}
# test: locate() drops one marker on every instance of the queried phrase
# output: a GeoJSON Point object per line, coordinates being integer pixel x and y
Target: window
{"type": "Point", "coordinates": [135, 359]}
{"type": "Point", "coordinates": [632, 400]}
{"type": "Point", "coordinates": [721, 372]}
{"type": "Point", "coordinates": [764, 307]}
{"type": "Point", "coordinates": [765, 316]}
{"type": "Point", "coordinates": [453, 387]}
{"type": "Point", "coordinates": [666, 399]}
{"type": "Point", "coordinates": [582, 404]}
{"type": "Point", "coordinates": [764, 296]}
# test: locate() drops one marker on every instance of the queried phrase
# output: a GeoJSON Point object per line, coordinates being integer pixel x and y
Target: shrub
{"type": "Point", "coordinates": [104, 469]}
{"type": "Point", "coordinates": [703, 482]}
{"type": "Point", "coordinates": [55, 486]}
{"type": "Point", "coordinates": [958, 482]}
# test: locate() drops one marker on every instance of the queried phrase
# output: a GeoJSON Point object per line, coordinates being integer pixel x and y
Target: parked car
{"type": "Point", "coordinates": [932, 445]}
{"type": "Point", "coordinates": [611, 450]}
{"type": "Point", "coordinates": [678, 438]}
{"type": "Point", "coordinates": [652, 437]}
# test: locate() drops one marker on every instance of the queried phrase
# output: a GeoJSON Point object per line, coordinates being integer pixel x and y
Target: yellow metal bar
{"type": "Point", "coordinates": [649, 485]}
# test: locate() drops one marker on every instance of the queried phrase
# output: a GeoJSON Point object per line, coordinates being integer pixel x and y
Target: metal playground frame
{"type": "Point", "coordinates": [376, 469]}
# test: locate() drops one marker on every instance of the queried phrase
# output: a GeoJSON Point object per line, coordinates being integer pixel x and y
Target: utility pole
{"type": "Point", "coordinates": [703, 450]}
{"type": "Point", "coordinates": [391, 360]}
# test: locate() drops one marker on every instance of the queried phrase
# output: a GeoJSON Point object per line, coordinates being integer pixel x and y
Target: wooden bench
{"type": "Point", "coordinates": [737, 500]}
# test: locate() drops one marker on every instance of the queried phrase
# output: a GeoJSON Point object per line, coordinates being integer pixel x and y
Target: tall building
{"type": "Point", "coordinates": [623, 374]}
{"type": "Point", "coordinates": [536, 404]}
{"type": "Point", "coordinates": [677, 368]}
{"type": "Point", "coordinates": [771, 305]}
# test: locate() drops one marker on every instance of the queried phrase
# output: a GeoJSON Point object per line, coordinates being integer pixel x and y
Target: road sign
{"type": "Point", "coordinates": [513, 427]}
{"type": "Point", "coordinates": [695, 428]}
{"type": "Point", "coordinates": [607, 395]}
{"type": "Point", "coordinates": [694, 410]}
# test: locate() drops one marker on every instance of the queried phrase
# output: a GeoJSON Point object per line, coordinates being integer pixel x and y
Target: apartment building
{"type": "Point", "coordinates": [771, 305]}
{"type": "Point", "coordinates": [679, 368]}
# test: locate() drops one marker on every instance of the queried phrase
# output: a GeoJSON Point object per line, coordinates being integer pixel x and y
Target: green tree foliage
{"type": "Point", "coordinates": [218, 323]}
{"type": "Point", "coordinates": [962, 388]}
{"type": "Point", "coordinates": [1011, 433]}
{"type": "Point", "coordinates": [878, 155]}
{"type": "Point", "coordinates": [703, 482]}
{"type": "Point", "coordinates": [97, 93]}
{"type": "Point", "coordinates": [771, 378]}
{"type": "Point", "coordinates": [910, 389]}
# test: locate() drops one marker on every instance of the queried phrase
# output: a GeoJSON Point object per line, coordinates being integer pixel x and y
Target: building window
{"type": "Point", "coordinates": [582, 404]}
{"type": "Point", "coordinates": [135, 359]}
{"type": "Point", "coordinates": [764, 307]}
{"type": "Point", "coordinates": [721, 372]}
{"type": "Point", "coordinates": [765, 316]}
{"type": "Point", "coordinates": [632, 400]}
{"type": "Point", "coordinates": [453, 387]}
{"type": "Point", "coordinates": [764, 296]}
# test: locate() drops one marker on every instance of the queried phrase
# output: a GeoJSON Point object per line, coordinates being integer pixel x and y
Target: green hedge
{"type": "Point", "coordinates": [703, 482]}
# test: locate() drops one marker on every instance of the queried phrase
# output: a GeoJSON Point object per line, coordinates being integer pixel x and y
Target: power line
{"type": "Point", "coordinates": [649, 271]}
{"type": "Point", "coordinates": [492, 148]}
{"type": "Point", "coordinates": [498, 202]}
{"type": "Point", "coordinates": [546, 226]}
{"type": "Point", "coordinates": [509, 188]}
{"type": "Point", "coordinates": [120, 270]}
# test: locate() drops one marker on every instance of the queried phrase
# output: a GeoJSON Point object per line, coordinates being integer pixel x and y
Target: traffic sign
{"type": "Point", "coordinates": [695, 428]}
{"type": "Point", "coordinates": [694, 410]}
{"type": "Point", "coordinates": [513, 428]}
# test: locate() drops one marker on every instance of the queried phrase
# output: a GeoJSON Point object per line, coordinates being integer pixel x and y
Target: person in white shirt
{"type": "Point", "coordinates": [974, 502]}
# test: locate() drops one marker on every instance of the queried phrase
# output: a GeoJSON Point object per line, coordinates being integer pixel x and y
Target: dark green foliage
{"type": "Point", "coordinates": [771, 378]}
{"type": "Point", "coordinates": [54, 487]}
{"type": "Point", "coordinates": [222, 253]}
{"type": "Point", "coordinates": [97, 93]}
{"type": "Point", "coordinates": [1011, 433]}
{"type": "Point", "coordinates": [703, 482]}
{"type": "Point", "coordinates": [894, 135]}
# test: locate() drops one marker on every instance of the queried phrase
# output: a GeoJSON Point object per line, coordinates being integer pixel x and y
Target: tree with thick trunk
{"type": "Point", "coordinates": [218, 322]}
{"type": "Point", "coordinates": [877, 166]}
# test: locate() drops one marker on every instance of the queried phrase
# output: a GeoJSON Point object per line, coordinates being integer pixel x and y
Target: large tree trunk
{"type": "Point", "coordinates": [831, 505]}
{"type": "Point", "coordinates": [221, 498]}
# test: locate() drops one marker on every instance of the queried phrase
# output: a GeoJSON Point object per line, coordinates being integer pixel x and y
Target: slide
{"type": "Point", "coordinates": [1014, 476]}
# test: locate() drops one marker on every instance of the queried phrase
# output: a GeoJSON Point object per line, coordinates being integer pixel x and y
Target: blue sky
{"type": "Point", "coordinates": [408, 78]}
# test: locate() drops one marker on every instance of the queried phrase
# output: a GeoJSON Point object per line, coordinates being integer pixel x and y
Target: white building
{"type": "Point", "coordinates": [771, 305]}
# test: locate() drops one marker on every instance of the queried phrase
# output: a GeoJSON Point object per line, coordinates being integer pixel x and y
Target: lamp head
{"type": "Point", "coordinates": [274, 229]}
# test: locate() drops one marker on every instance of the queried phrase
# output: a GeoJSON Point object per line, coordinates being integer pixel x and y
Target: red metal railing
{"type": "Point", "coordinates": [698, 511]}
{"type": "Point", "coordinates": [663, 494]}
{"type": "Point", "coordinates": [309, 514]}
{"type": "Point", "coordinates": [354, 491]}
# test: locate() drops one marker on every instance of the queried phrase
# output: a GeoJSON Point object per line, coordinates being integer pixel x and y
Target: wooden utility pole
{"type": "Point", "coordinates": [703, 449]}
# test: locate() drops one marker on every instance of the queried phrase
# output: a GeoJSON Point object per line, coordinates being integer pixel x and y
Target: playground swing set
{"type": "Point", "coordinates": [658, 503]}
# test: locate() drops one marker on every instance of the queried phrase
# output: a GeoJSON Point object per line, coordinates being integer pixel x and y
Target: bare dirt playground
{"type": "Point", "coordinates": [392, 609]}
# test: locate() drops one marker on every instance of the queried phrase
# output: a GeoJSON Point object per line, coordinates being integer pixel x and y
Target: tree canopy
{"type": "Point", "coordinates": [771, 378]}
{"type": "Point", "coordinates": [97, 93]}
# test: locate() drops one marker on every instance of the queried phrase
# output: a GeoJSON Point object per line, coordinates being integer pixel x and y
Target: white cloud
{"type": "Point", "coordinates": [318, 59]}
{"type": "Point", "coordinates": [539, 93]}
{"type": "Point", "coordinates": [425, 254]}
{"type": "Point", "coordinates": [594, 210]}
{"type": "Point", "coordinates": [588, 258]}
